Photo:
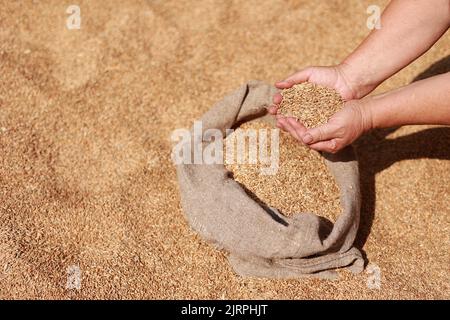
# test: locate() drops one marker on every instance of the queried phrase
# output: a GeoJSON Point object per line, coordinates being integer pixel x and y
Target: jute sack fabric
{"type": "Point", "coordinates": [261, 241]}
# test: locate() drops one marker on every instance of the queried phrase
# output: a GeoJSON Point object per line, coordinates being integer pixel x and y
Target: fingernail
{"type": "Point", "coordinates": [307, 138]}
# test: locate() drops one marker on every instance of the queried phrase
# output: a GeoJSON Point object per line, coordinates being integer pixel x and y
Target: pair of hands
{"type": "Point", "coordinates": [342, 128]}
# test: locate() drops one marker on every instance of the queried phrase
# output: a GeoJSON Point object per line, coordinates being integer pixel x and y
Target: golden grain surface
{"type": "Point", "coordinates": [86, 177]}
{"type": "Point", "coordinates": [302, 182]}
{"type": "Point", "coordinates": [310, 103]}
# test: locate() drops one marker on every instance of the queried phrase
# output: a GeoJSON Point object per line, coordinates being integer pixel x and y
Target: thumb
{"type": "Point", "coordinates": [298, 77]}
{"type": "Point", "coordinates": [321, 133]}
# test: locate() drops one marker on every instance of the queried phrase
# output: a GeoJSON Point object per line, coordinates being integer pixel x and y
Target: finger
{"type": "Point", "coordinates": [284, 84]}
{"type": "Point", "coordinates": [298, 127]}
{"type": "Point", "coordinates": [291, 130]}
{"type": "Point", "coordinates": [277, 98]}
{"type": "Point", "coordinates": [298, 77]}
{"type": "Point", "coordinates": [272, 110]}
{"type": "Point", "coordinates": [281, 122]}
{"type": "Point", "coordinates": [321, 133]}
{"type": "Point", "coordinates": [292, 125]}
{"type": "Point", "coordinates": [279, 125]}
{"type": "Point", "coordinates": [287, 127]}
{"type": "Point", "coordinates": [330, 146]}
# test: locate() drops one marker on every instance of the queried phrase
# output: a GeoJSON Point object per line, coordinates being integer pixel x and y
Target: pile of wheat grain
{"type": "Point", "coordinates": [302, 183]}
{"type": "Point", "coordinates": [312, 104]}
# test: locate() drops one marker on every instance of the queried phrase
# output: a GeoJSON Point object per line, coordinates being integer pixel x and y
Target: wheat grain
{"type": "Point", "coordinates": [312, 104]}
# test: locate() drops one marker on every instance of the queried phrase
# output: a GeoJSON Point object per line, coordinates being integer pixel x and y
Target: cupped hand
{"type": "Point", "coordinates": [332, 77]}
{"type": "Point", "coordinates": [330, 137]}
{"type": "Point", "coordinates": [342, 128]}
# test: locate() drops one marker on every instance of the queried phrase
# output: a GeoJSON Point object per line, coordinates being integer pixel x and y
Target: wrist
{"type": "Point", "coordinates": [366, 110]}
{"type": "Point", "coordinates": [359, 81]}
{"type": "Point", "coordinates": [362, 110]}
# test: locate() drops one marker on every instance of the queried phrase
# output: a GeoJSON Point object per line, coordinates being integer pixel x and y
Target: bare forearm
{"type": "Point", "coordinates": [422, 102]}
{"type": "Point", "coordinates": [408, 29]}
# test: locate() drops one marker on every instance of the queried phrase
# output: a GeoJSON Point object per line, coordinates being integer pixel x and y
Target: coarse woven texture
{"type": "Point", "coordinates": [310, 103]}
{"type": "Point", "coordinates": [261, 241]}
{"type": "Point", "coordinates": [85, 171]}
{"type": "Point", "coordinates": [301, 183]}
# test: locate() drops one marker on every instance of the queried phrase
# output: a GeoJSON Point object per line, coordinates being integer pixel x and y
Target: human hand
{"type": "Point", "coordinates": [335, 77]}
{"type": "Point", "coordinates": [342, 128]}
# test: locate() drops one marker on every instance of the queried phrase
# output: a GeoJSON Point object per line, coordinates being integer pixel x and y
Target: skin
{"type": "Point", "coordinates": [408, 29]}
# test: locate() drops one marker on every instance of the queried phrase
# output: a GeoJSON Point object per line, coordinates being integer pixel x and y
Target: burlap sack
{"type": "Point", "coordinates": [261, 241]}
